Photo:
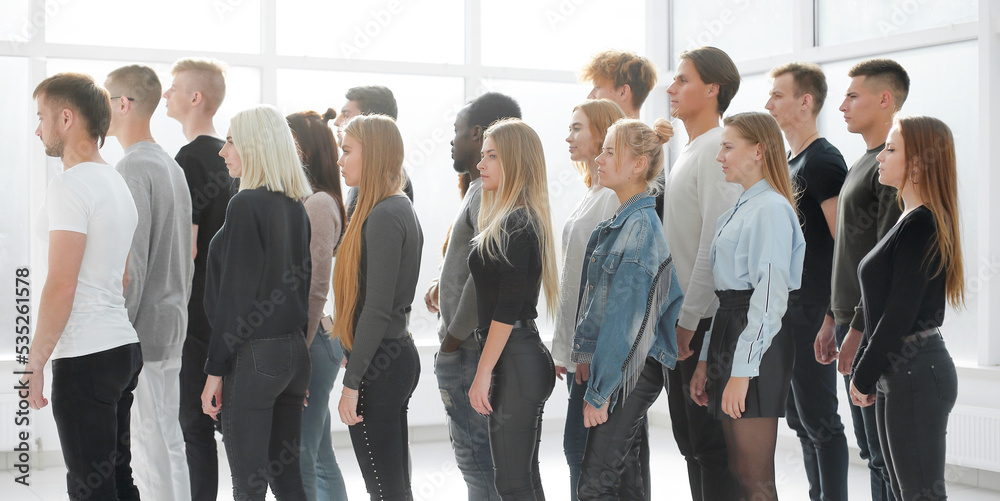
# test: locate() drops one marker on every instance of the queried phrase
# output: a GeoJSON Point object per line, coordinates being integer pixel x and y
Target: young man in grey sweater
{"type": "Point", "coordinates": [454, 295]}
{"type": "Point", "coordinates": [160, 272]}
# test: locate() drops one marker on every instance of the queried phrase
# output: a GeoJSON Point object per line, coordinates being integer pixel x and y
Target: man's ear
{"type": "Point", "coordinates": [66, 118]}
{"type": "Point", "coordinates": [625, 91]}
{"type": "Point", "coordinates": [197, 99]}
{"type": "Point", "coordinates": [807, 102]}
{"type": "Point", "coordinates": [476, 133]}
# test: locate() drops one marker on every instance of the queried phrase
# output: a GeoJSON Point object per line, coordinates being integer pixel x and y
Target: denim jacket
{"type": "Point", "coordinates": [629, 301]}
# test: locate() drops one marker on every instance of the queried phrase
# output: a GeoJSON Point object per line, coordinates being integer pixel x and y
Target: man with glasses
{"type": "Point", "coordinates": [160, 272]}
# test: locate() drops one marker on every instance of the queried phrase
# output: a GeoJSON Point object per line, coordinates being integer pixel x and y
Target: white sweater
{"type": "Point", "coordinates": [695, 195]}
{"type": "Point", "coordinates": [597, 205]}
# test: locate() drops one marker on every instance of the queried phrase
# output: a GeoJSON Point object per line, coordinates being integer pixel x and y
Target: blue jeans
{"type": "Point", "coordinates": [811, 408]}
{"type": "Point", "coordinates": [468, 430]}
{"type": "Point", "coordinates": [866, 433]}
{"type": "Point", "coordinates": [262, 415]}
{"type": "Point", "coordinates": [321, 477]}
{"type": "Point", "coordinates": [91, 404]}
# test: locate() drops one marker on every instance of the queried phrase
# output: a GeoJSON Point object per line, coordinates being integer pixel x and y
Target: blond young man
{"type": "Point", "coordinates": [194, 97]}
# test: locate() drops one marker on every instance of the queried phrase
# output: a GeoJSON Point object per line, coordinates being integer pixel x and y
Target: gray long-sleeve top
{"type": "Point", "coordinates": [159, 265]}
{"type": "Point", "coordinates": [456, 289]}
{"type": "Point", "coordinates": [391, 242]}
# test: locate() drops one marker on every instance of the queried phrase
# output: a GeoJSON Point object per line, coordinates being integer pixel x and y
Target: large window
{"type": "Point", "coordinates": [437, 55]}
{"type": "Point", "coordinates": [840, 21]}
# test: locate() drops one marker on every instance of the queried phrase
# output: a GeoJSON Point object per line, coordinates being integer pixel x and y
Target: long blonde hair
{"type": "Point", "coordinates": [381, 176]}
{"type": "Point", "coordinates": [267, 150]}
{"type": "Point", "coordinates": [523, 185]}
{"type": "Point", "coordinates": [762, 129]}
{"type": "Point", "coordinates": [929, 149]}
{"type": "Point", "coordinates": [601, 113]}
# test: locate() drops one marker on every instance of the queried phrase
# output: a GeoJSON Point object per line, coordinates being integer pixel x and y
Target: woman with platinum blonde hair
{"type": "Point", "coordinates": [625, 338]}
{"type": "Point", "coordinates": [258, 364]}
{"type": "Point", "coordinates": [513, 258]}
{"type": "Point", "coordinates": [375, 278]}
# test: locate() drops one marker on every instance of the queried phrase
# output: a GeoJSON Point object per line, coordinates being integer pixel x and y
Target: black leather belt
{"type": "Point", "coordinates": [922, 335]}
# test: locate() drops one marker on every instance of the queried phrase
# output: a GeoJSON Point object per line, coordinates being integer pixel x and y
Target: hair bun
{"type": "Point", "coordinates": [329, 115]}
{"type": "Point", "coordinates": [663, 129]}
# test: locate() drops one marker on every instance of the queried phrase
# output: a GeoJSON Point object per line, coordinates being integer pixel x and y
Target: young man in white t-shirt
{"type": "Point", "coordinates": [695, 195]}
{"type": "Point", "coordinates": [88, 218]}
{"type": "Point", "coordinates": [161, 269]}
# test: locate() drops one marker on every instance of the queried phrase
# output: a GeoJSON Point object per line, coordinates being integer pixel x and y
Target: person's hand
{"type": "Point", "coordinates": [593, 416]}
{"type": "Point", "coordinates": [848, 349]}
{"type": "Point", "coordinates": [825, 345]}
{"type": "Point", "coordinates": [348, 407]}
{"type": "Point", "coordinates": [35, 381]}
{"type": "Point", "coordinates": [860, 399]}
{"type": "Point", "coordinates": [479, 393]}
{"type": "Point", "coordinates": [560, 372]}
{"type": "Point", "coordinates": [684, 342]}
{"type": "Point", "coordinates": [431, 298]}
{"type": "Point", "coordinates": [582, 373]}
{"type": "Point", "coordinates": [211, 397]}
{"type": "Point", "coordinates": [698, 380]}
{"type": "Point", "coordinates": [734, 398]}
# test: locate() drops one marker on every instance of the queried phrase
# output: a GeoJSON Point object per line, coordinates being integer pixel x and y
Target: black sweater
{"type": "Point", "coordinates": [258, 273]}
{"type": "Point", "coordinates": [507, 289]}
{"type": "Point", "coordinates": [899, 295]}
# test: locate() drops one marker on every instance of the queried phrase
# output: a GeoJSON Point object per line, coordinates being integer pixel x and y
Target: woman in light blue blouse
{"type": "Point", "coordinates": [745, 368]}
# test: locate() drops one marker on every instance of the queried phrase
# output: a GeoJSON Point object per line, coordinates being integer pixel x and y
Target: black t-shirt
{"type": "Point", "coordinates": [507, 289]}
{"type": "Point", "coordinates": [211, 188]}
{"type": "Point", "coordinates": [901, 294]}
{"type": "Point", "coordinates": [818, 173]}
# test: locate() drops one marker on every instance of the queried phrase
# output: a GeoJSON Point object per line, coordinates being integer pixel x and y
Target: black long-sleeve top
{"type": "Point", "coordinates": [391, 243]}
{"type": "Point", "coordinates": [258, 273]}
{"type": "Point", "coordinates": [507, 289]}
{"type": "Point", "coordinates": [900, 295]}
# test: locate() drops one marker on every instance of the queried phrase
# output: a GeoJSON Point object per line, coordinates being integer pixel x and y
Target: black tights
{"type": "Point", "coordinates": [751, 443]}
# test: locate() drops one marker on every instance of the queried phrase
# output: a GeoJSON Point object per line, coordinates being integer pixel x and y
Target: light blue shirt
{"type": "Point", "coordinates": [758, 245]}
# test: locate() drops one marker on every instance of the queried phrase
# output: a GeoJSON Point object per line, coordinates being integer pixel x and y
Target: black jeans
{"type": "Point", "coordinates": [610, 446]}
{"type": "Point", "coordinates": [575, 444]}
{"type": "Point", "coordinates": [866, 434]}
{"type": "Point", "coordinates": [198, 427]}
{"type": "Point", "coordinates": [523, 379]}
{"type": "Point", "coordinates": [91, 404]}
{"type": "Point", "coordinates": [381, 439]}
{"type": "Point", "coordinates": [698, 435]}
{"type": "Point", "coordinates": [262, 415]}
{"type": "Point", "coordinates": [812, 406]}
{"type": "Point", "coordinates": [912, 406]}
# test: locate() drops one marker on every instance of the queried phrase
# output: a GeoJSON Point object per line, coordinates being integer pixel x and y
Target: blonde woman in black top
{"type": "Point", "coordinates": [513, 258]}
{"type": "Point", "coordinates": [902, 365]}
{"type": "Point", "coordinates": [258, 363]}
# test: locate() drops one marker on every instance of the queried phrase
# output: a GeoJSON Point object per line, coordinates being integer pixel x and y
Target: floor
{"type": "Point", "coordinates": [437, 478]}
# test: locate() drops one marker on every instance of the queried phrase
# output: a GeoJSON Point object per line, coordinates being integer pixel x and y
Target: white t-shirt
{"type": "Point", "coordinates": [93, 199]}
{"type": "Point", "coordinates": [695, 195]}
{"type": "Point", "coordinates": [597, 205]}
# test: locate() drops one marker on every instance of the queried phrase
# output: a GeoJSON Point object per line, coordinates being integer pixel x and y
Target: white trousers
{"type": "Point", "coordinates": [159, 463]}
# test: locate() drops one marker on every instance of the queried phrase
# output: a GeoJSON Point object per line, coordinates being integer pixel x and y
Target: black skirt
{"type": "Point", "coordinates": [768, 391]}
